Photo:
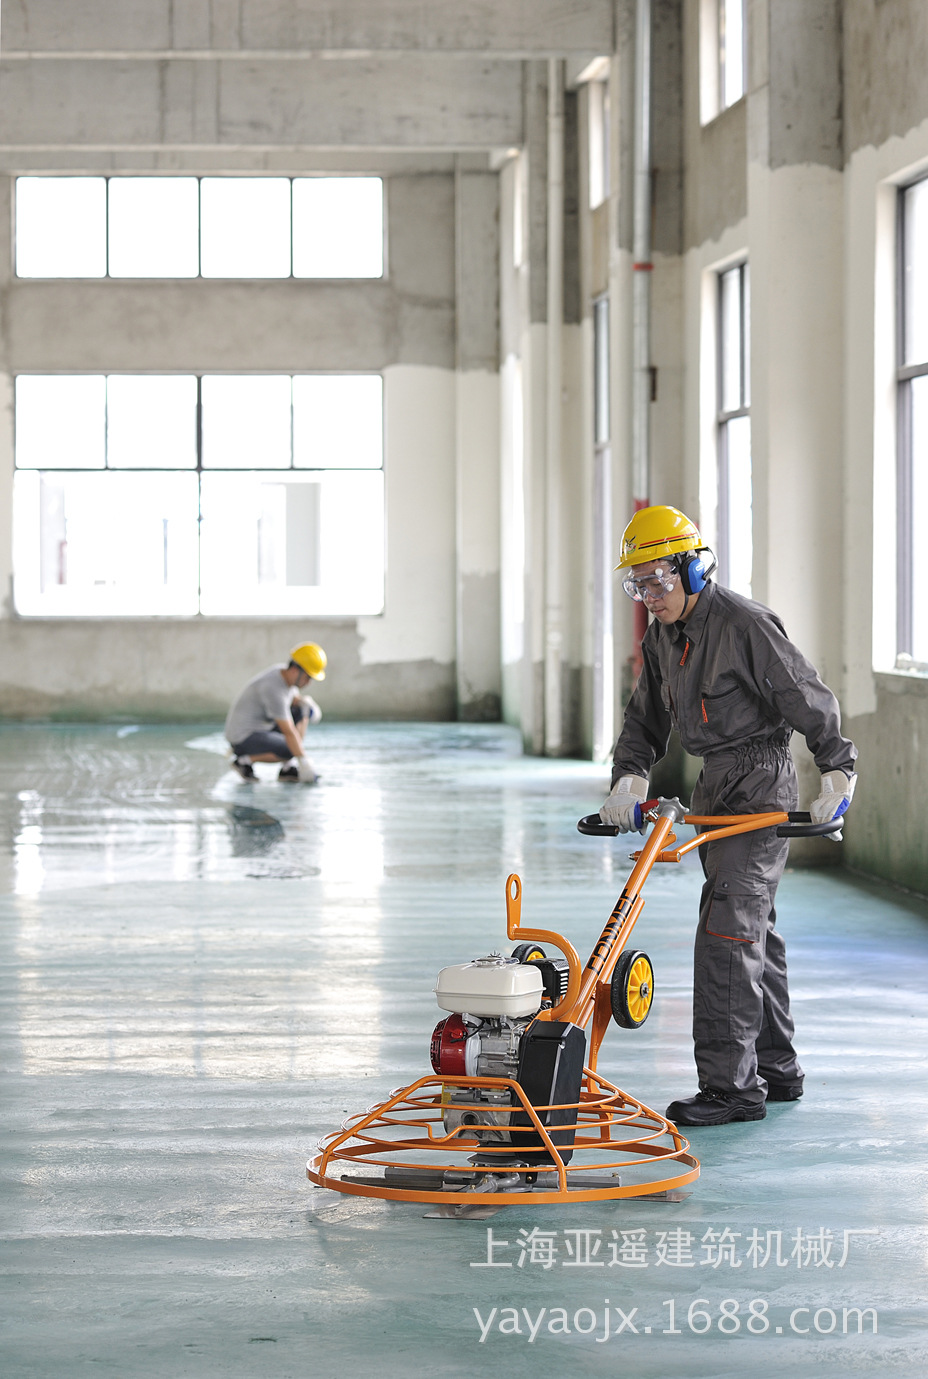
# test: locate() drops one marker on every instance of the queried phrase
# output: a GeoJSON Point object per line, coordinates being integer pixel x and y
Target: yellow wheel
{"type": "Point", "coordinates": [528, 952]}
{"type": "Point", "coordinates": [632, 989]}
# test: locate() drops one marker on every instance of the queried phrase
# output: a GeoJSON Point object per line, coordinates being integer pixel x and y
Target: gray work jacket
{"type": "Point", "coordinates": [728, 678]}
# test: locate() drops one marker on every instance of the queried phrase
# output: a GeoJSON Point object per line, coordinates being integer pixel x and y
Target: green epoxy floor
{"type": "Point", "coordinates": [187, 1003]}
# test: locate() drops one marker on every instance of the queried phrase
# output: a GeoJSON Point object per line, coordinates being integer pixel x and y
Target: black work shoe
{"type": "Point", "coordinates": [288, 773]}
{"type": "Point", "coordinates": [245, 769]}
{"type": "Point", "coordinates": [714, 1108]}
{"type": "Point", "coordinates": [784, 1091]}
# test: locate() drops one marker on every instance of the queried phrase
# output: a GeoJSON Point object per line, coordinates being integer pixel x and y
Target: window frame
{"type": "Point", "coordinates": [199, 275]}
{"type": "Point", "coordinates": [304, 471]}
{"type": "Point", "coordinates": [722, 50]}
{"type": "Point", "coordinates": [724, 416]}
{"type": "Point", "coordinates": [905, 459]}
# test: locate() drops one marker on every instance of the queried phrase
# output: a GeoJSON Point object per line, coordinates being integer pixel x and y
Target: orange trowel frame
{"type": "Point", "coordinates": [613, 1131]}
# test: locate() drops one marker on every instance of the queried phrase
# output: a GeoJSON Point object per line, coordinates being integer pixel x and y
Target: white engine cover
{"type": "Point", "coordinates": [490, 986]}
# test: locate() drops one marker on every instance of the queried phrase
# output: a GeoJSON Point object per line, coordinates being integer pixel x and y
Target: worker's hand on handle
{"type": "Point", "coordinates": [837, 793]}
{"type": "Point", "coordinates": [623, 807]}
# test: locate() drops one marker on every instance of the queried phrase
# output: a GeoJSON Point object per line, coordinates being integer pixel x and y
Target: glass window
{"type": "Point", "coordinates": [245, 227]}
{"type": "Point", "coordinates": [912, 490]}
{"type": "Point", "coordinates": [246, 422]}
{"type": "Point", "coordinates": [172, 494]}
{"type": "Point", "coordinates": [603, 577]}
{"type": "Point", "coordinates": [735, 496]}
{"type": "Point", "coordinates": [60, 421]}
{"type": "Point", "coordinates": [153, 227]}
{"type": "Point", "coordinates": [732, 35]}
{"type": "Point", "coordinates": [151, 421]}
{"type": "Point", "coordinates": [61, 227]}
{"type": "Point", "coordinates": [88, 544]}
{"type": "Point", "coordinates": [598, 96]}
{"type": "Point", "coordinates": [338, 421]}
{"type": "Point", "coordinates": [216, 227]}
{"type": "Point", "coordinates": [337, 227]}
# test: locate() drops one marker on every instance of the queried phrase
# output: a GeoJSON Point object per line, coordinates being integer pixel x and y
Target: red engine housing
{"type": "Point", "coordinates": [448, 1048]}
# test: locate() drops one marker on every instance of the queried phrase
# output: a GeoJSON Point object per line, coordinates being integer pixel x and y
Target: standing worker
{"type": "Point", "coordinates": [268, 720]}
{"type": "Point", "coordinates": [721, 669]}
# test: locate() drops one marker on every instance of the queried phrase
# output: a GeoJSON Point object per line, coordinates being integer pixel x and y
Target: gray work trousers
{"type": "Point", "coordinates": [742, 1028]}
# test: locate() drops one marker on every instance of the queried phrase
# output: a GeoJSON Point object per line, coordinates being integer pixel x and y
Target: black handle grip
{"type": "Point", "coordinates": [801, 826]}
{"type": "Point", "coordinates": [592, 823]}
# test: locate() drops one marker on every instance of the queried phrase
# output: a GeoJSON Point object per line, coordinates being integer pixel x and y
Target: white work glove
{"type": "Point", "coordinates": [313, 711]}
{"type": "Point", "coordinates": [837, 793]}
{"type": "Point", "coordinates": [305, 770]}
{"type": "Point", "coordinates": [619, 808]}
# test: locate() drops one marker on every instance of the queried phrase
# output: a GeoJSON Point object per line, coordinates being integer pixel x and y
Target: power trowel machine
{"type": "Point", "coordinates": [515, 1110]}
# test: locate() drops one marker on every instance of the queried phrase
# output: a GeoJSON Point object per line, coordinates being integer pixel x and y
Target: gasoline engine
{"type": "Point", "coordinates": [493, 1031]}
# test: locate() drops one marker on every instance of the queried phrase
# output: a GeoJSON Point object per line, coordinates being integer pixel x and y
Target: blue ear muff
{"type": "Point", "coordinates": [695, 570]}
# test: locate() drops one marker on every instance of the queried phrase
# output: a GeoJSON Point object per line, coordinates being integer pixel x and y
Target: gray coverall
{"type": "Point", "coordinates": [734, 686]}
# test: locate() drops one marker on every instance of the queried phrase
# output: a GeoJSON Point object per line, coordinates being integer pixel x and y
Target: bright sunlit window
{"type": "Point", "coordinates": [211, 227]}
{"type": "Point", "coordinates": [912, 411]}
{"type": "Point", "coordinates": [174, 495]}
{"type": "Point", "coordinates": [731, 52]}
{"type": "Point", "coordinates": [735, 484]}
{"type": "Point", "coordinates": [722, 55]}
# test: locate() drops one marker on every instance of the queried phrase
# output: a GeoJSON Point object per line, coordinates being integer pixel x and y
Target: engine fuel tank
{"type": "Point", "coordinates": [490, 986]}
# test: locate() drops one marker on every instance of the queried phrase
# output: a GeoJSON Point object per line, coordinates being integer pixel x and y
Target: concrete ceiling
{"type": "Point", "coordinates": [295, 28]}
{"type": "Point", "coordinates": [215, 83]}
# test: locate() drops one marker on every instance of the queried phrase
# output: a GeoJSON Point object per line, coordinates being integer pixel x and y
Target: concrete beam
{"type": "Point", "coordinates": [411, 102]}
{"type": "Point", "coordinates": [210, 28]}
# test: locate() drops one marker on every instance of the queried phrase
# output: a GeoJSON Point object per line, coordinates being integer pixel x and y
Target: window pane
{"type": "Point", "coordinates": [75, 552]}
{"type": "Point", "coordinates": [245, 227]}
{"type": "Point", "coordinates": [153, 227]}
{"type": "Point", "coordinates": [730, 329]}
{"type": "Point", "coordinates": [338, 421]}
{"type": "Point", "coordinates": [60, 421]}
{"type": "Point", "coordinates": [151, 422]}
{"type": "Point", "coordinates": [61, 227]}
{"type": "Point", "coordinates": [337, 227]}
{"type": "Point", "coordinates": [731, 43]}
{"type": "Point", "coordinates": [740, 504]}
{"type": "Point", "coordinates": [601, 419]}
{"type": "Point", "coordinates": [919, 574]}
{"type": "Point", "coordinates": [246, 422]}
{"type": "Point", "coordinates": [294, 545]}
{"type": "Point", "coordinates": [915, 211]}
{"type": "Point", "coordinates": [746, 333]}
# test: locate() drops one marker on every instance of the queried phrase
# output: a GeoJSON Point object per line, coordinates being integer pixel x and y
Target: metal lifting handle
{"type": "Point", "coordinates": [799, 823]}
{"type": "Point", "coordinates": [801, 826]}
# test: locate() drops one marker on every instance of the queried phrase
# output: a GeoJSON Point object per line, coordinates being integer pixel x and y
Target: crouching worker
{"type": "Point", "coordinates": [268, 720]}
{"type": "Point", "coordinates": [720, 669]}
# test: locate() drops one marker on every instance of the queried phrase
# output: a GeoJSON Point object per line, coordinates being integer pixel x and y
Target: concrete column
{"type": "Point", "coordinates": [477, 384]}
{"type": "Point", "coordinates": [795, 210]}
{"type": "Point", "coordinates": [6, 403]}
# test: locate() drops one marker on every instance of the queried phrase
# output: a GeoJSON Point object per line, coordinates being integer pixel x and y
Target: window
{"type": "Point", "coordinates": [603, 718]}
{"type": "Point", "coordinates": [732, 55]}
{"type": "Point", "coordinates": [735, 540]}
{"type": "Point", "coordinates": [177, 494]}
{"type": "Point", "coordinates": [599, 142]}
{"type": "Point", "coordinates": [912, 430]}
{"type": "Point", "coordinates": [722, 55]}
{"type": "Point", "coordinates": [188, 227]}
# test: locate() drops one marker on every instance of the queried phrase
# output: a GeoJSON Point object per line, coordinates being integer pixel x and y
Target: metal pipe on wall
{"type": "Point", "coordinates": [554, 634]}
{"type": "Point", "coordinates": [641, 288]}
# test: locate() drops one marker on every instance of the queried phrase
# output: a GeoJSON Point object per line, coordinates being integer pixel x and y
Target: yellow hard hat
{"type": "Point", "coordinates": [311, 658]}
{"type": "Point", "coordinates": [657, 532]}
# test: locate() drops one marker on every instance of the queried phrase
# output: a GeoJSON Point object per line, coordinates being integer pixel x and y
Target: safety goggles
{"type": "Point", "coordinates": [650, 588]}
